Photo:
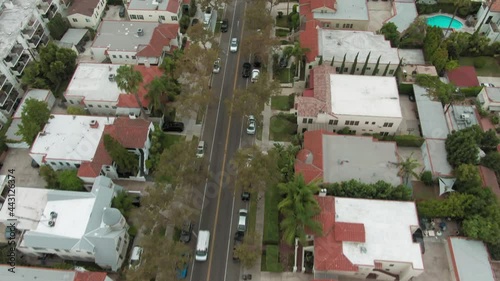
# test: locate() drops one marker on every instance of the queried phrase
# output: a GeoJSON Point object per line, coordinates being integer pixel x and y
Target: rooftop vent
{"type": "Point", "coordinates": [94, 124]}
{"type": "Point", "coordinates": [322, 192]}
{"type": "Point", "coordinates": [140, 32]}
{"type": "Point", "coordinates": [362, 249]}
{"type": "Point", "coordinates": [53, 215]}
{"type": "Point", "coordinates": [111, 77]}
{"type": "Point", "coordinates": [464, 116]}
{"type": "Point", "coordinates": [52, 223]}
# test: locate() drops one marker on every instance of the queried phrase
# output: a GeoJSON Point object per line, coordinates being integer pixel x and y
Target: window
{"type": "Point", "coordinates": [133, 57]}
{"type": "Point", "coordinates": [120, 56]}
{"type": "Point", "coordinates": [330, 122]}
{"type": "Point", "coordinates": [366, 123]}
{"type": "Point", "coordinates": [346, 122]}
{"type": "Point", "coordinates": [140, 17]}
{"type": "Point", "coordinates": [77, 166]}
{"type": "Point", "coordinates": [68, 164]}
{"type": "Point", "coordinates": [333, 122]}
{"type": "Point", "coordinates": [391, 265]}
{"type": "Point", "coordinates": [162, 17]}
{"type": "Point", "coordinates": [384, 134]}
{"type": "Point", "coordinates": [87, 20]}
{"type": "Point", "coordinates": [347, 25]}
{"type": "Point", "coordinates": [174, 18]}
{"type": "Point", "coordinates": [114, 56]}
{"type": "Point", "coordinates": [373, 123]}
{"type": "Point", "coordinates": [387, 124]}
{"type": "Point", "coordinates": [113, 107]}
{"type": "Point", "coordinates": [310, 121]}
{"type": "Point", "coordinates": [391, 71]}
{"type": "Point", "coordinates": [75, 20]}
{"type": "Point", "coordinates": [357, 68]}
{"type": "Point", "coordinates": [337, 69]}
{"type": "Point", "coordinates": [61, 163]}
{"type": "Point", "coordinates": [326, 25]}
{"type": "Point", "coordinates": [90, 105]}
{"type": "Point", "coordinates": [71, 101]}
{"type": "Point", "coordinates": [304, 120]}
{"type": "Point", "coordinates": [133, 17]}
{"type": "Point", "coordinates": [337, 25]}
{"type": "Point", "coordinates": [106, 106]}
{"type": "Point", "coordinates": [368, 68]}
{"type": "Point", "coordinates": [356, 124]}
{"type": "Point", "coordinates": [488, 20]}
{"type": "Point", "coordinates": [127, 56]}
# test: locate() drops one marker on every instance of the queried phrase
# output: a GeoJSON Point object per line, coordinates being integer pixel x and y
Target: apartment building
{"type": "Point", "coordinates": [163, 11]}
{"type": "Point", "coordinates": [86, 14]}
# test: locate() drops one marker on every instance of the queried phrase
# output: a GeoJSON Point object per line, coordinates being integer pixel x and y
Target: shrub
{"type": "Point", "coordinates": [291, 101]}
{"type": "Point", "coordinates": [272, 259]}
{"type": "Point", "coordinates": [192, 8]}
{"type": "Point", "coordinates": [405, 89]}
{"type": "Point", "coordinates": [479, 62]}
{"type": "Point", "coordinates": [271, 218]}
{"type": "Point", "coordinates": [494, 119]}
{"type": "Point", "coordinates": [280, 14]}
{"type": "Point", "coordinates": [290, 117]}
{"type": "Point", "coordinates": [409, 141]}
{"type": "Point", "coordinates": [426, 177]}
{"type": "Point", "coordinates": [471, 92]}
{"type": "Point", "coordinates": [284, 42]}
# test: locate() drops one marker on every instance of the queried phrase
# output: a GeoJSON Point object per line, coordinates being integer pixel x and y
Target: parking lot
{"type": "Point", "coordinates": [26, 176]}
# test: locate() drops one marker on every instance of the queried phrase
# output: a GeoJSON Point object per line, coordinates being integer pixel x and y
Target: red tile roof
{"type": "Point", "coordinates": [90, 276]}
{"type": "Point", "coordinates": [162, 34]}
{"type": "Point", "coordinates": [495, 7]}
{"type": "Point", "coordinates": [309, 160]}
{"type": "Point", "coordinates": [309, 39]}
{"type": "Point", "coordinates": [148, 74]}
{"type": "Point", "coordinates": [131, 133]}
{"type": "Point", "coordinates": [84, 7]}
{"type": "Point", "coordinates": [311, 106]}
{"type": "Point", "coordinates": [463, 76]}
{"type": "Point", "coordinates": [350, 232]}
{"type": "Point", "coordinates": [489, 179]}
{"type": "Point", "coordinates": [173, 6]}
{"type": "Point", "coordinates": [328, 252]}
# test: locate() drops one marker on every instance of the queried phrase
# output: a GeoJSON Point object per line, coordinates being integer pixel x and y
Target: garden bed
{"type": "Point", "coordinates": [283, 127]}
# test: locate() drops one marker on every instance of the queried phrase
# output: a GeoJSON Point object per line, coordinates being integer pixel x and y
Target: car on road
{"type": "Point", "coordinates": [247, 69]}
{"type": "Point", "coordinates": [251, 125]}
{"type": "Point", "coordinates": [242, 220]}
{"type": "Point", "coordinates": [200, 151]}
{"type": "Point", "coordinates": [245, 196]}
{"type": "Point", "coordinates": [255, 75]}
{"type": "Point", "coordinates": [202, 245]}
{"type": "Point", "coordinates": [135, 258]}
{"type": "Point", "coordinates": [233, 47]}
{"type": "Point", "coordinates": [216, 66]}
{"type": "Point", "coordinates": [207, 17]}
{"type": "Point", "coordinates": [186, 230]}
{"type": "Point", "coordinates": [224, 25]}
{"type": "Point", "coordinates": [173, 127]}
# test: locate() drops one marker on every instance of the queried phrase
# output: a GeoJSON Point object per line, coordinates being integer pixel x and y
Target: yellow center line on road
{"type": "Point", "coordinates": [221, 179]}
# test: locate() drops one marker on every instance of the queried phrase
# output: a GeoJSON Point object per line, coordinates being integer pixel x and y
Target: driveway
{"type": "Point", "coordinates": [409, 125]}
{"type": "Point", "coordinates": [26, 176]}
{"type": "Point", "coordinates": [436, 265]}
{"type": "Point", "coordinates": [112, 13]}
{"type": "Point", "coordinates": [379, 11]}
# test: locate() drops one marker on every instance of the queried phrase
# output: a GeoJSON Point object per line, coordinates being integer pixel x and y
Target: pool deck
{"type": "Point", "coordinates": [464, 28]}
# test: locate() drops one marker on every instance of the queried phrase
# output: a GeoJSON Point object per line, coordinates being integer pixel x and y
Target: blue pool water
{"type": "Point", "coordinates": [443, 22]}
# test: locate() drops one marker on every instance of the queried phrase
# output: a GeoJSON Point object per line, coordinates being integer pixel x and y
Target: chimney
{"type": "Point", "coordinates": [322, 192]}
{"type": "Point", "coordinates": [146, 63]}
{"type": "Point", "coordinates": [140, 32]}
{"type": "Point", "coordinates": [94, 124]}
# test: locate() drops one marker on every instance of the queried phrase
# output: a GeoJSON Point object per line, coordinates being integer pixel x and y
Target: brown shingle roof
{"type": "Point", "coordinates": [321, 101]}
{"type": "Point", "coordinates": [84, 7]}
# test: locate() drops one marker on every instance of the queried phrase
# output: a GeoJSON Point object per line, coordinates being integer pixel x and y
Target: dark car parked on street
{"type": "Point", "coordinates": [186, 230]}
{"type": "Point", "coordinates": [224, 25]}
{"type": "Point", "coordinates": [173, 127]}
{"type": "Point", "coordinates": [247, 69]}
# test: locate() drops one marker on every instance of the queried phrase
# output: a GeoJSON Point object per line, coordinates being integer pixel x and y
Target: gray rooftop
{"type": "Point", "coordinates": [73, 35]}
{"type": "Point", "coordinates": [493, 93]}
{"type": "Point", "coordinates": [412, 56]}
{"type": "Point", "coordinates": [337, 43]}
{"type": "Point", "coordinates": [346, 9]}
{"type": "Point", "coordinates": [24, 273]}
{"type": "Point", "coordinates": [359, 158]}
{"type": "Point", "coordinates": [37, 94]}
{"type": "Point", "coordinates": [431, 115]}
{"type": "Point", "coordinates": [461, 117]}
{"type": "Point", "coordinates": [472, 260]}
{"type": "Point", "coordinates": [122, 35]}
{"type": "Point", "coordinates": [14, 15]}
{"type": "Point", "coordinates": [406, 13]}
{"type": "Point", "coordinates": [434, 156]}
{"type": "Point", "coordinates": [149, 4]}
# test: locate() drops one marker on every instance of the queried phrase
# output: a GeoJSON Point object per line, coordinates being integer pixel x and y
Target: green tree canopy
{"type": "Point", "coordinates": [126, 161]}
{"type": "Point", "coordinates": [391, 33]}
{"type": "Point", "coordinates": [123, 202]}
{"type": "Point", "coordinates": [492, 161]}
{"type": "Point", "coordinates": [75, 110]}
{"type": "Point", "coordinates": [34, 116]}
{"type": "Point", "coordinates": [467, 177]}
{"type": "Point", "coordinates": [249, 251]}
{"type": "Point", "coordinates": [407, 168]}
{"type": "Point", "coordinates": [455, 206]}
{"type": "Point", "coordinates": [379, 190]}
{"type": "Point", "coordinates": [128, 79]}
{"type": "Point", "coordinates": [58, 26]}
{"type": "Point", "coordinates": [62, 179]}
{"type": "Point", "coordinates": [461, 148]}
{"type": "Point", "coordinates": [298, 208]}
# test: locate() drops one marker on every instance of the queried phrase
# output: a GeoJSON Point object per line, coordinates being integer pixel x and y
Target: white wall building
{"type": "Point", "coordinates": [77, 142]}
{"type": "Point", "coordinates": [489, 15]}
{"type": "Point", "coordinates": [72, 225]}
{"type": "Point", "coordinates": [86, 14]}
{"type": "Point", "coordinates": [365, 104]}
{"type": "Point", "coordinates": [164, 11]}
{"type": "Point", "coordinates": [13, 140]}
{"type": "Point", "coordinates": [22, 31]}
{"type": "Point", "coordinates": [489, 98]}
{"type": "Point", "coordinates": [366, 239]}
{"type": "Point", "coordinates": [24, 273]}
{"type": "Point", "coordinates": [93, 86]}
{"type": "Point", "coordinates": [126, 42]}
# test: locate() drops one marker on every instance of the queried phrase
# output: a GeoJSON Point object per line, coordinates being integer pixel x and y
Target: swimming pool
{"type": "Point", "coordinates": [443, 22]}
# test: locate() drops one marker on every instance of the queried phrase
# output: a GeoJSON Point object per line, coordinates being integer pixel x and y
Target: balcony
{"type": "Point", "coordinates": [3, 79]}
{"type": "Point", "coordinates": [47, 9]}
{"type": "Point", "coordinates": [21, 65]}
{"type": "Point", "coordinates": [15, 53]}
{"type": "Point", "coordinates": [44, 6]}
{"type": "Point", "coordinates": [31, 30]}
{"type": "Point", "coordinates": [5, 92]}
{"type": "Point", "coordinates": [494, 27]}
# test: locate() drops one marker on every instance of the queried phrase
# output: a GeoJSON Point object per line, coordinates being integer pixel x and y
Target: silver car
{"type": "Point", "coordinates": [216, 66]}
{"type": "Point", "coordinates": [251, 125]}
{"type": "Point", "coordinates": [233, 47]}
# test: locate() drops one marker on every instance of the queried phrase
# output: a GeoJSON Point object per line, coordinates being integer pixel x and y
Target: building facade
{"type": "Point", "coordinates": [488, 20]}
{"type": "Point", "coordinates": [163, 11]}
{"type": "Point", "coordinates": [489, 98]}
{"type": "Point", "coordinates": [86, 14]}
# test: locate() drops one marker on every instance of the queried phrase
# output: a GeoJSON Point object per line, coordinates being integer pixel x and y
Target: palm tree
{"type": "Point", "coordinates": [298, 52]}
{"type": "Point", "coordinates": [458, 4]}
{"type": "Point", "coordinates": [157, 93]}
{"type": "Point", "coordinates": [128, 79]}
{"type": "Point", "coordinates": [299, 207]}
{"type": "Point", "coordinates": [407, 167]}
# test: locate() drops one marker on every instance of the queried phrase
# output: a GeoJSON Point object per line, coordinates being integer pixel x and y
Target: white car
{"type": "Point", "coordinates": [207, 17]}
{"type": "Point", "coordinates": [233, 47]}
{"type": "Point", "coordinates": [200, 151]}
{"type": "Point", "coordinates": [251, 125]}
{"type": "Point", "coordinates": [135, 258]}
{"type": "Point", "coordinates": [487, 85]}
{"type": "Point", "coordinates": [255, 75]}
{"type": "Point", "coordinates": [242, 220]}
{"type": "Point", "coordinates": [216, 66]}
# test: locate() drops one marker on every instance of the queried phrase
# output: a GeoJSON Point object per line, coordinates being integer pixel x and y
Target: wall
{"type": "Point", "coordinates": [482, 13]}
{"type": "Point", "coordinates": [62, 164]}
{"type": "Point", "coordinates": [127, 111]}
{"type": "Point", "coordinates": [153, 16]}
{"type": "Point", "coordinates": [98, 53]}
{"type": "Point", "coordinates": [123, 57]}
{"type": "Point", "coordinates": [84, 21]}
{"type": "Point", "coordinates": [370, 67]}
{"type": "Point", "coordinates": [341, 24]}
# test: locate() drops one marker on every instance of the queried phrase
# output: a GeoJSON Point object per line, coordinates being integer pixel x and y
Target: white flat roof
{"type": "Point", "coordinates": [472, 260]}
{"type": "Point", "coordinates": [365, 95]}
{"type": "Point", "coordinates": [69, 137]}
{"type": "Point", "coordinates": [148, 5]}
{"type": "Point", "coordinates": [72, 217]}
{"type": "Point", "coordinates": [13, 17]}
{"type": "Point", "coordinates": [388, 234]}
{"type": "Point", "coordinates": [360, 158]}
{"type": "Point", "coordinates": [337, 43]}
{"type": "Point", "coordinates": [91, 81]}
{"type": "Point", "coordinates": [347, 10]}
{"type": "Point", "coordinates": [30, 203]}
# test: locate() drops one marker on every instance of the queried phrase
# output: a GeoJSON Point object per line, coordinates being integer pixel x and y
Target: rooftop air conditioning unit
{"type": "Point", "coordinates": [111, 77]}
{"type": "Point", "coordinates": [93, 123]}
{"type": "Point", "coordinates": [464, 116]}
{"type": "Point", "coordinates": [140, 32]}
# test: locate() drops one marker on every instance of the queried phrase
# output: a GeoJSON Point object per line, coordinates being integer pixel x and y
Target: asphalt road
{"type": "Point", "coordinates": [224, 134]}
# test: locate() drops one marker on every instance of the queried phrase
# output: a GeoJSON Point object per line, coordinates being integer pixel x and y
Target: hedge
{"type": "Point", "coordinates": [471, 92]}
{"type": "Point", "coordinates": [405, 89]}
{"type": "Point", "coordinates": [271, 235]}
{"type": "Point", "coordinates": [409, 141]}
{"type": "Point", "coordinates": [272, 259]}
{"type": "Point", "coordinates": [448, 8]}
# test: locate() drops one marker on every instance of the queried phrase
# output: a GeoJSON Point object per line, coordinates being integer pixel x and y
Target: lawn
{"type": "Point", "coordinates": [252, 212]}
{"type": "Point", "coordinates": [168, 140]}
{"type": "Point", "coordinates": [282, 22]}
{"type": "Point", "coordinates": [271, 217]}
{"type": "Point", "coordinates": [281, 32]}
{"type": "Point", "coordinates": [491, 67]}
{"type": "Point", "coordinates": [285, 75]}
{"type": "Point", "coordinates": [282, 102]}
{"type": "Point", "coordinates": [282, 128]}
